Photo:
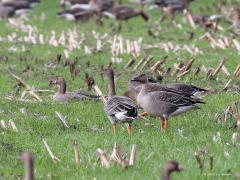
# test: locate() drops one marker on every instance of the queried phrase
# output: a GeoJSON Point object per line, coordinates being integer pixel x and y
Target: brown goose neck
{"type": "Point", "coordinates": [111, 85]}
{"type": "Point", "coordinates": [29, 172]}
{"type": "Point", "coordinates": [166, 173]}
{"type": "Point", "coordinates": [62, 87]}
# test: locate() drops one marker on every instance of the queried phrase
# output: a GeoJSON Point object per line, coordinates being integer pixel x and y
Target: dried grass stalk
{"type": "Point", "coordinates": [62, 119]}
{"type": "Point", "coordinates": [189, 65]}
{"type": "Point", "coordinates": [146, 62]}
{"type": "Point", "coordinates": [116, 156]}
{"type": "Point", "coordinates": [103, 158]}
{"type": "Point", "coordinates": [76, 152]}
{"type": "Point", "coordinates": [130, 63]}
{"type": "Point", "coordinates": [133, 155]}
{"type": "Point", "coordinates": [196, 71]}
{"type": "Point", "coordinates": [183, 74]}
{"type": "Point", "coordinates": [225, 70]}
{"type": "Point", "coordinates": [189, 18]}
{"type": "Point", "coordinates": [13, 125]}
{"type": "Point", "coordinates": [2, 122]}
{"type": "Point", "coordinates": [54, 158]}
{"type": "Point", "coordinates": [227, 84]}
{"type": "Point", "coordinates": [140, 63]}
{"type": "Point", "coordinates": [218, 68]}
{"type": "Point", "coordinates": [158, 64]}
{"type": "Point", "coordinates": [99, 93]}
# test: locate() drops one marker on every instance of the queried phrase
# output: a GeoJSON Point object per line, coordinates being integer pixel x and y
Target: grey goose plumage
{"type": "Point", "coordinates": [63, 96]}
{"type": "Point", "coordinates": [119, 108]}
{"type": "Point", "coordinates": [179, 88]}
{"type": "Point", "coordinates": [164, 104]}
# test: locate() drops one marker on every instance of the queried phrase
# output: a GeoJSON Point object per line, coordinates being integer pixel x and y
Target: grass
{"type": "Point", "coordinates": [40, 121]}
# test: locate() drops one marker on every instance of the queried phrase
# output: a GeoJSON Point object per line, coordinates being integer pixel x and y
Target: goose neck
{"type": "Point", "coordinates": [111, 85]}
{"type": "Point", "coordinates": [29, 174]}
{"type": "Point", "coordinates": [62, 87]}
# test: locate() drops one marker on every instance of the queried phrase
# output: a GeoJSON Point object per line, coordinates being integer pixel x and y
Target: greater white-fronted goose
{"type": "Point", "coordinates": [123, 12]}
{"type": "Point", "coordinates": [179, 88]}
{"type": "Point", "coordinates": [164, 104]}
{"type": "Point", "coordinates": [62, 96]}
{"type": "Point", "coordinates": [27, 159]}
{"type": "Point", "coordinates": [119, 108]}
{"type": "Point", "coordinates": [169, 167]}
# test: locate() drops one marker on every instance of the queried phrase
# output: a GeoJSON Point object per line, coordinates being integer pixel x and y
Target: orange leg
{"type": "Point", "coordinates": [143, 114]}
{"type": "Point", "coordinates": [162, 122]}
{"type": "Point", "coordinates": [130, 129]}
{"type": "Point", "coordinates": [114, 127]}
{"type": "Point", "coordinates": [166, 123]}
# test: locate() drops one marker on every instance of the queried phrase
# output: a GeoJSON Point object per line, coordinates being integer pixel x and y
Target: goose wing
{"type": "Point", "coordinates": [117, 104]}
{"type": "Point", "coordinates": [175, 99]}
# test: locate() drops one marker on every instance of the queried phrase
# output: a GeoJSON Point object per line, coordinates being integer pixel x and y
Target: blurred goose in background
{"type": "Point", "coordinates": [19, 6]}
{"type": "Point", "coordinates": [62, 96]}
{"type": "Point", "coordinates": [27, 159]}
{"type": "Point", "coordinates": [170, 167]}
{"type": "Point", "coordinates": [164, 104]}
{"type": "Point", "coordinates": [6, 11]}
{"type": "Point", "coordinates": [74, 2]}
{"type": "Point", "coordinates": [119, 108]}
{"type": "Point", "coordinates": [76, 14]}
{"type": "Point", "coordinates": [123, 12]}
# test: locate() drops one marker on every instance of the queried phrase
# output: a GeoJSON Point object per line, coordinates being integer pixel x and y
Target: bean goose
{"type": "Point", "coordinates": [119, 108]}
{"type": "Point", "coordinates": [62, 96]}
{"type": "Point", "coordinates": [27, 159]}
{"type": "Point", "coordinates": [170, 167]}
{"type": "Point", "coordinates": [123, 12]}
{"type": "Point", "coordinates": [164, 104]}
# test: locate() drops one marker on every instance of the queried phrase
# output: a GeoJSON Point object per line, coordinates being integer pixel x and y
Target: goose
{"type": "Point", "coordinates": [169, 167]}
{"type": "Point", "coordinates": [62, 96]}
{"type": "Point", "coordinates": [119, 108]}
{"type": "Point", "coordinates": [123, 12]}
{"type": "Point", "coordinates": [74, 2]}
{"type": "Point", "coordinates": [164, 104]}
{"type": "Point", "coordinates": [76, 14]}
{"type": "Point", "coordinates": [27, 159]}
{"type": "Point", "coordinates": [179, 88]}
{"type": "Point", "coordinates": [20, 7]}
{"type": "Point", "coordinates": [6, 11]}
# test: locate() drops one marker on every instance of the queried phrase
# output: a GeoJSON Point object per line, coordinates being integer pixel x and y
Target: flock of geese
{"type": "Point", "coordinates": [84, 9]}
{"type": "Point", "coordinates": [144, 92]}
{"type": "Point", "coordinates": [10, 8]}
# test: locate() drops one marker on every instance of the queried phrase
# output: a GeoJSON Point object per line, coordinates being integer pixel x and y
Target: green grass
{"type": "Point", "coordinates": [40, 121]}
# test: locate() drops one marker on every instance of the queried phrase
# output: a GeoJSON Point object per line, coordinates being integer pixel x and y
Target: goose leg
{"type": "Point", "coordinates": [143, 114]}
{"type": "Point", "coordinates": [130, 129]}
{"type": "Point", "coordinates": [166, 123]}
{"type": "Point", "coordinates": [114, 127]}
{"type": "Point", "coordinates": [162, 122]}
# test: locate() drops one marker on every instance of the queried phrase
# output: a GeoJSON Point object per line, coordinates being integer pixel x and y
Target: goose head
{"type": "Point", "coordinates": [60, 82]}
{"type": "Point", "coordinates": [170, 167]}
{"type": "Point", "coordinates": [143, 78]}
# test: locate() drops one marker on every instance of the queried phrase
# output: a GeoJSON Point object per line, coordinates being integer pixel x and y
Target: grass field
{"type": "Point", "coordinates": [87, 120]}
